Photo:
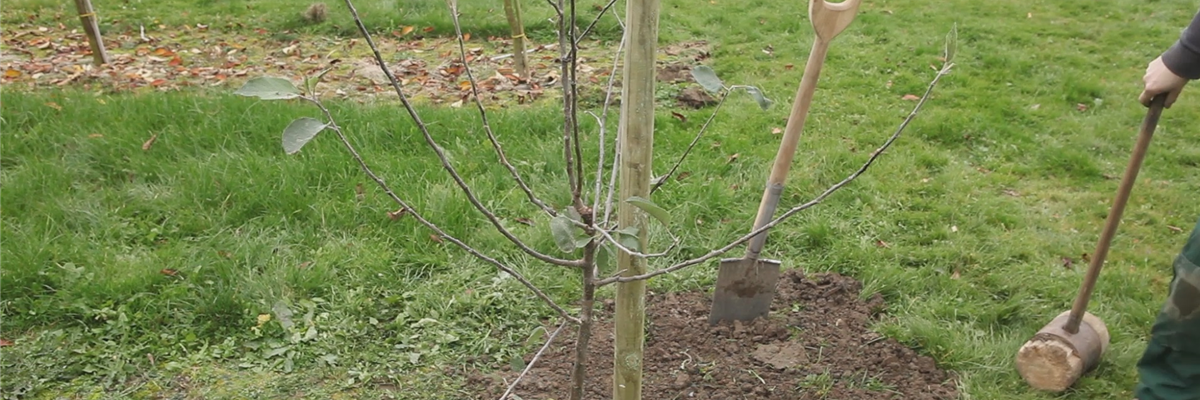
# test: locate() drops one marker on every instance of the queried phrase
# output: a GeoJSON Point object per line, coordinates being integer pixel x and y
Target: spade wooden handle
{"type": "Point", "coordinates": [828, 20]}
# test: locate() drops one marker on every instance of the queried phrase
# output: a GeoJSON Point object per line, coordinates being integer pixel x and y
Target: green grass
{"type": "Point", "coordinates": [90, 223]}
{"type": "Point", "coordinates": [481, 18]}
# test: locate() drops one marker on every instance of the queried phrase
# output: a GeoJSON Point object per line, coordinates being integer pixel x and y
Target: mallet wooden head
{"type": "Point", "coordinates": [1054, 358]}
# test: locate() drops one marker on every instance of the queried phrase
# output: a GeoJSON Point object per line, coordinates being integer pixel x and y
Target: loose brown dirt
{"type": "Point", "coordinates": [816, 345]}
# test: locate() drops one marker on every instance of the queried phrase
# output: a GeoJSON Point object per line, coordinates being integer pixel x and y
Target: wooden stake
{"type": "Point", "coordinates": [91, 26]}
{"type": "Point", "coordinates": [636, 135]}
{"type": "Point", "coordinates": [512, 8]}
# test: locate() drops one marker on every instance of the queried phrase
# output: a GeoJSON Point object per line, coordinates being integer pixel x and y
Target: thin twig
{"type": "Point", "coordinates": [487, 127]}
{"type": "Point", "coordinates": [874, 155]}
{"type": "Point", "coordinates": [573, 82]}
{"type": "Point", "coordinates": [532, 361]}
{"type": "Point", "coordinates": [556, 7]}
{"type": "Point", "coordinates": [674, 242]}
{"type": "Point", "coordinates": [442, 156]}
{"type": "Point", "coordinates": [594, 21]}
{"type": "Point", "coordinates": [383, 185]}
{"type": "Point", "coordinates": [612, 183]}
{"type": "Point", "coordinates": [695, 140]}
{"type": "Point", "coordinates": [568, 112]}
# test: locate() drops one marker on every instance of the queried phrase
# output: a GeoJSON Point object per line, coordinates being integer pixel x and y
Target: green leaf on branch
{"type": "Point", "coordinates": [649, 207]}
{"type": "Point", "coordinates": [628, 237]}
{"type": "Point", "coordinates": [564, 233]}
{"type": "Point", "coordinates": [299, 132]}
{"type": "Point", "coordinates": [269, 88]}
{"type": "Point", "coordinates": [705, 76]}
{"type": "Point", "coordinates": [758, 96]}
{"type": "Point", "coordinates": [604, 258]}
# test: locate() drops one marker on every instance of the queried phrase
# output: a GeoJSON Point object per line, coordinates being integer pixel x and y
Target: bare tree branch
{"type": "Point", "coordinates": [383, 185]}
{"type": "Point", "coordinates": [695, 140]}
{"type": "Point", "coordinates": [574, 88]}
{"type": "Point", "coordinates": [557, 9]}
{"type": "Point", "coordinates": [612, 183]}
{"type": "Point", "coordinates": [594, 21]}
{"type": "Point", "coordinates": [487, 127]}
{"type": "Point", "coordinates": [532, 361]}
{"type": "Point", "coordinates": [442, 156]}
{"type": "Point", "coordinates": [674, 242]}
{"type": "Point", "coordinates": [817, 200]}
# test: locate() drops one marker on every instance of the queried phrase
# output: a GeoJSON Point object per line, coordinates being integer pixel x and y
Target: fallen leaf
{"type": "Point", "coordinates": [955, 275]}
{"type": "Point", "coordinates": [149, 142]}
{"type": "Point", "coordinates": [406, 30]}
{"type": "Point", "coordinates": [789, 67]}
{"type": "Point", "coordinates": [1068, 263]}
{"type": "Point", "coordinates": [5, 343]}
{"type": "Point", "coordinates": [953, 228]}
{"type": "Point", "coordinates": [395, 215]}
{"type": "Point", "coordinates": [427, 29]}
{"type": "Point", "coordinates": [434, 237]}
{"type": "Point", "coordinates": [888, 84]}
{"type": "Point", "coordinates": [1085, 257]}
{"type": "Point", "coordinates": [733, 157]}
{"type": "Point", "coordinates": [53, 105]}
{"type": "Point", "coordinates": [359, 193]}
{"type": "Point", "coordinates": [466, 37]}
{"type": "Point", "coordinates": [1035, 107]}
{"type": "Point", "coordinates": [169, 272]}
{"type": "Point", "coordinates": [1081, 107]}
{"type": "Point", "coordinates": [224, 253]}
{"type": "Point", "coordinates": [679, 116]}
{"type": "Point", "coordinates": [525, 221]}
{"type": "Point", "coordinates": [1028, 15]}
{"type": "Point", "coordinates": [12, 73]}
{"type": "Point", "coordinates": [776, 131]}
{"type": "Point", "coordinates": [95, 136]}
{"type": "Point", "coordinates": [304, 265]}
{"type": "Point", "coordinates": [882, 244]}
{"type": "Point", "coordinates": [682, 175]}
{"type": "Point", "coordinates": [456, 104]}
{"type": "Point", "coordinates": [1012, 193]}
{"type": "Point", "coordinates": [911, 97]}
{"type": "Point", "coordinates": [263, 318]}
{"type": "Point", "coordinates": [1175, 228]}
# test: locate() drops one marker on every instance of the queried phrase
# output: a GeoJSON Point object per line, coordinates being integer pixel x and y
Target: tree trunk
{"type": "Point", "coordinates": [637, 146]}
{"type": "Point", "coordinates": [578, 373]}
{"type": "Point", "coordinates": [92, 28]}
{"type": "Point", "coordinates": [512, 8]}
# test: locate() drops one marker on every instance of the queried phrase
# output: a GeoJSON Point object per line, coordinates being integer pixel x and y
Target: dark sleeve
{"type": "Point", "coordinates": [1183, 57]}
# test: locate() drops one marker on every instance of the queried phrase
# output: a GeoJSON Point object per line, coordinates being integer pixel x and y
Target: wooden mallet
{"type": "Point", "coordinates": [1072, 344]}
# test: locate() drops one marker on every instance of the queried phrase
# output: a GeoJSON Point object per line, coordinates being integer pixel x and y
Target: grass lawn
{"type": "Point", "coordinates": [212, 265]}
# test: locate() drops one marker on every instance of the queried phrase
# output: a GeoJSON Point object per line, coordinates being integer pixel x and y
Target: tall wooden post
{"type": "Point", "coordinates": [91, 26]}
{"type": "Point", "coordinates": [636, 135]}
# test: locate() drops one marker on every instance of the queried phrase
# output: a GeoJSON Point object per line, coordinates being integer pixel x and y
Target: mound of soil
{"type": "Point", "coordinates": [815, 345]}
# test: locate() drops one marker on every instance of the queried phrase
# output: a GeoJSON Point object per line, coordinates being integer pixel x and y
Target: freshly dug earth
{"type": "Point", "coordinates": [816, 345]}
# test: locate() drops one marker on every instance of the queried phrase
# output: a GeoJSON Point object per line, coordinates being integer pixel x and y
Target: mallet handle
{"type": "Point", "coordinates": [1114, 215]}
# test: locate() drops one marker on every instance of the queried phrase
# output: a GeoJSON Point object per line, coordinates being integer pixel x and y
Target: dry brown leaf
{"type": "Point", "coordinates": [169, 272]}
{"type": "Point", "coordinates": [1012, 193]}
{"type": "Point", "coordinates": [1175, 229]}
{"type": "Point", "coordinates": [733, 157]}
{"type": "Point", "coordinates": [406, 30]}
{"type": "Point", "coordinates": [95, 136]}
{"type": "Point", "coordinates": [776, 131]}
{"type": "Point", "coordinates": [679, 116]}
{"type": "Point", "coordinates": [466, 37]}
{"type": "Point", "coordinates": [304, 265]}
{"type": "Point", "coordinates": [955, 275]}
{"type": "Point", "coordinates": [882, 244]}
{"type": "Point", "coordinates": [427, 29]}
{"type": "Point", "coordinates": [1081, 107]}
{"type": "Point", "coordinates": [434, 237]}
{"type": "Point", "coordinates": [1068, 263]}
{"type": "Point", "coordinates": [53, 105]}
{"type": "Point", "coordinates": [149, 142]}
{"type": "Point", "coordinates": [525, 221]}
{"type": "Point", "coordinates": [911, 97]}
{"type": "Point", "coordinates": [5, 343]}
{"type": "Point", "coordinates": [395, 215]}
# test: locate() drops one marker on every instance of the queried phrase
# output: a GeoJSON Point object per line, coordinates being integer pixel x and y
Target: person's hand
{"type": "Point", "coordinates": [1159, 79]}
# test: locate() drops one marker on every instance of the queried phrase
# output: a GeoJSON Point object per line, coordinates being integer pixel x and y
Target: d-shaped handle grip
{"type": "Point", "coordinates": [830, 19]}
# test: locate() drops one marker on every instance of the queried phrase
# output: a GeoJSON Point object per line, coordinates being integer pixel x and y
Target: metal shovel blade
{"type": "Point", "coordinates": [745, 288]}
